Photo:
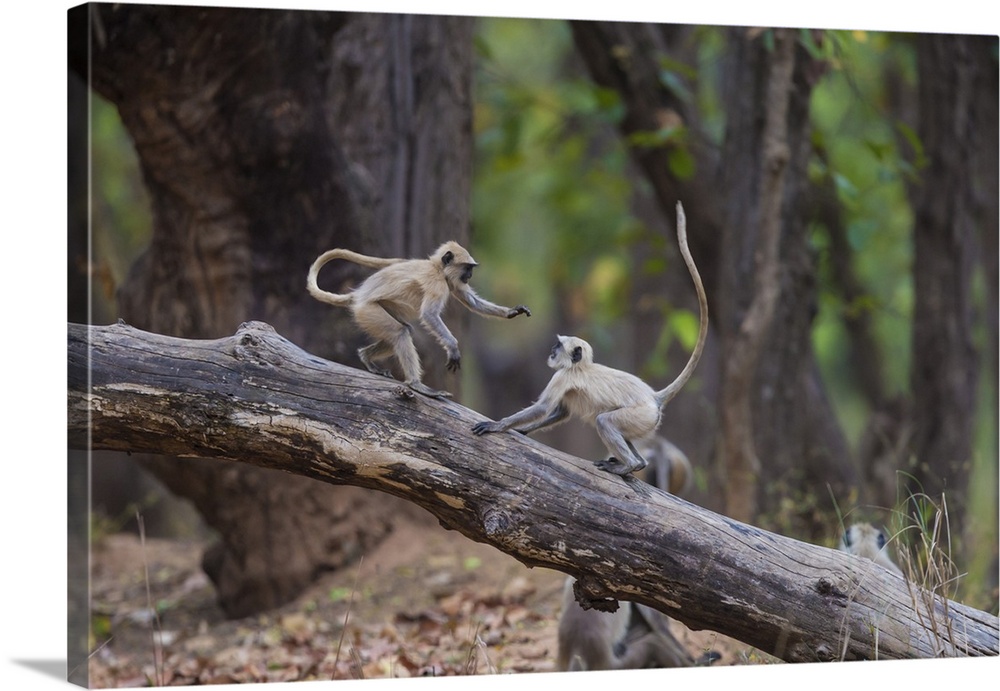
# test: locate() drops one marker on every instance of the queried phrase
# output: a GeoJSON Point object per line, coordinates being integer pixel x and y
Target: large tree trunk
{"type": "Point", "coordinates": [266, 137]}
{"type": "Point", "coordinates": [257, 398]}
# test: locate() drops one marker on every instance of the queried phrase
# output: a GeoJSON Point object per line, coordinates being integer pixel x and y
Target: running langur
{"type": "Point", "coordinates": [403, 290]}
{"type": "Point", "coordinates": [622, 407]}
{"type": "Point", "coordinates": [865, 540]}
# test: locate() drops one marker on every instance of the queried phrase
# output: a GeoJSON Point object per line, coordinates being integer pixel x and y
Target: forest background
{"type": "Point", "coordinates": [566, 217]}
{"type": "Point", "coordinates": [613, 207]}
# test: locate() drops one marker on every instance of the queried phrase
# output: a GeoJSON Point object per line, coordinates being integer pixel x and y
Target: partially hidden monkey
{"type": "Point", "coordinates": [669, 467]}
{"type": "Point", "coordinates": [622, 407]}
{"type": "Point", "coordinates": [402, 291]}
{"type": "Point", "coordinates": [865, 540]}
{"type": "Point", "coordinates": [632, 637]}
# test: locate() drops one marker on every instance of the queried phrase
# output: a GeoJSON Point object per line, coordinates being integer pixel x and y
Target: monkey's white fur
{"type": "Point", "coordinates": [404, 290]}
{"type": "Point", "coordinates": [865, 540]}
{"type": "Point", "coordinates": [622, 407]}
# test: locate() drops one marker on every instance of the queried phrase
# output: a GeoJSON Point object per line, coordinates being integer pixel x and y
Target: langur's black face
{"type": "Point", "coordinates": [467, 272]}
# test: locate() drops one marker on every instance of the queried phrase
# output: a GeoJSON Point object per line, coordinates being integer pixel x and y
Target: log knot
{"type": "Point", "coordinates": [591, 595]}
{"type": "Point", "coordinates": [497, 522]}
{"type": "Point", "coordinates": [251, 339]}
{"type": "Point", "coordinates": [827, 587]}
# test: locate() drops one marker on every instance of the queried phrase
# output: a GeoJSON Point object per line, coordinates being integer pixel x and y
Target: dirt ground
{"type": "Point", "coordinates": [425, 602]}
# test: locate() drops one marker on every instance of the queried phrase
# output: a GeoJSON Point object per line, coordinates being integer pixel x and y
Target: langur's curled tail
{"type": "Point", "coordinates": [664, 395]}
{"type": "Point", "coordinates": [336, 299]}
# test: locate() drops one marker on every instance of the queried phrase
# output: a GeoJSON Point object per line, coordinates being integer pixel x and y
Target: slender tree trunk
{"type": "Point", "coordinates": [266, 137]}
{"type": "Point", "coordinates": [955, 73]}
{"type": "Point", "coordinates": [744, 345]}
{"type": "Point", "coordinates": [794, 427]}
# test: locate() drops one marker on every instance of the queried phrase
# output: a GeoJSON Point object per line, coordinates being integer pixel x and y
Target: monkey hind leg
{"type": "Point", "coordinates": [624, 457]}
{"type": "Point", "coordinates": [394, 338]}
{"type": "Point", "coordinates": [409, 361]}
{"type": "Point", "coordinates": [422, 388]}
{"type": "Point", "coordinates": [376, 351]}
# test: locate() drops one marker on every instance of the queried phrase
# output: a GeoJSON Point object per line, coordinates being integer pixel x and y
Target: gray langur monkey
{"type": "Point", "coordinates": [622, 407]}
{"type": "Point", "coordinates": [669, 467]}
{"type": "Point", "coordinates": [865, 540]}
{"type": "Point", "coordinates": [404, 290]}
{"type": "Point", "coordinates": [632, 637]}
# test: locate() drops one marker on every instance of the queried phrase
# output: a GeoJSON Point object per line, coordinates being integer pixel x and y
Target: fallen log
{"type": "Point", "coordinates": [257, 398]}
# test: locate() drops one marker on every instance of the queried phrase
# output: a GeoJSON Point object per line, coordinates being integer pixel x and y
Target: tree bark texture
{"type": "Point", "coordinates": [266, 137]}
{"type": "Point", "coordinates": [743, 350]}
{"type": "Point", "coordinates": [957, 74]}
{"type": "Point", "coordinates": [256, 398]}
{"type": "Point", "coordinates": [795, 430]}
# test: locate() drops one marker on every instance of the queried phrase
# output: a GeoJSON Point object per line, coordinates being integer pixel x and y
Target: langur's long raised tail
{"type": "Point", "coordinates": [663, 396]}
{"type": "Point", "coordinates": [338, 299]}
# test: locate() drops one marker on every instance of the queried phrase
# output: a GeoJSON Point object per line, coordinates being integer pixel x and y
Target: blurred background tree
{"type": "Point", "coordinates": [875, 373]}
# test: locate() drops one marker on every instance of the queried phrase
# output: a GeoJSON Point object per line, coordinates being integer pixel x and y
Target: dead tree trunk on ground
{"type": "Point", "coordinates": [256, 398]}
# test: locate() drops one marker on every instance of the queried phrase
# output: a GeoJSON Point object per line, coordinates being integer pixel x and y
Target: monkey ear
{"type": "Point", "coordinates": [881, 539]}
{"type": "Point", "coordinates": [577, 354]}
{"type": "Point", "coordinates": [448, 257]}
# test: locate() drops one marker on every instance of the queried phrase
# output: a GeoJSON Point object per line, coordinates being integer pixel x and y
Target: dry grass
{"type": "Point", "coordinates": [918, 536]}
{"type": "Point", "coordinates": [932, 577]}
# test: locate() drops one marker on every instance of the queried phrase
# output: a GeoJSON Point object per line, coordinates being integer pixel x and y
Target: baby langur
{"type": "Point", "coordinates": [865, 540]}
{"type": "Point", "coordinates": [622, 407]}
{"type": "Point", "coordinates": [402, 291]}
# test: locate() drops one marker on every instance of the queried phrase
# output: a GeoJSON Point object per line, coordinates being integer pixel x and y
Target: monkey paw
{"type": "Point", "coordinates": [454, 363]}
{"type": "Point", "coordinates": [520, 309]}
{"type": "Point", "coordinates": [613, 465]}
{"type": "Point", "coordinates": [481, 428]}
{"type": "Point", "coordinates": [427, 391]}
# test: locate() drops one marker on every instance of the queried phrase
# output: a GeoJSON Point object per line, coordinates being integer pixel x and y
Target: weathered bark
{"type": "Point", "coordinates": [266, 137]}
{"type": "Point", "coordinates": [258, 399]}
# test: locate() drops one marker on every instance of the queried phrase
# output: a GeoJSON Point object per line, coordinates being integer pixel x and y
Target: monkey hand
{"type": "Point", "coordinates": [481, 428]}
{"type": "Point", "coordinates": [520, 309]}
{"type": "Point", "coordinates": [454, 362]}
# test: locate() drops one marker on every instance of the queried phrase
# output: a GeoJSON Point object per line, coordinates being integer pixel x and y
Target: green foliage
{"type": "Point", "coordinates": [121, 221]}
{"type": "Point", "coordinates": [860, 147]}
{"type": "Point", "coordinates": [548, 175]}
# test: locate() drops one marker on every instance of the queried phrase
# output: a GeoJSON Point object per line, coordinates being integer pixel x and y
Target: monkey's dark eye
{"type": "Point", "coordinates": [555, 350]}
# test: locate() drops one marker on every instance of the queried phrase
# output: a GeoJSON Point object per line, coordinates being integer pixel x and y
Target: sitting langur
{"type": "Point", "coordinates": [865, 540]}
{"type": "Point", "coordinates": [622, 407]}
{"type": "Point", "coordinates": [632, 637]}
{"type": "Point", "coordinates": [402, 291]}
